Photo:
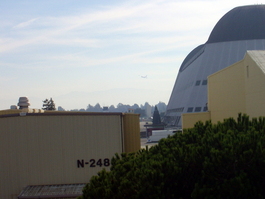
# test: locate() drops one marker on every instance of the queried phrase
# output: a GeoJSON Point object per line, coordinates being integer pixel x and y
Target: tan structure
{"type": "Point", "coordinates": [52, 147]}
{"type": "Point", "coordinates": [189, 119]}
{"type": "Point", "coordinates": [238, 88]}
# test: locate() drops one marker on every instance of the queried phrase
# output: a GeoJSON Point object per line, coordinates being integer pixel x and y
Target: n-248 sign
{"type": "Point", "coordinates": [93, 163]}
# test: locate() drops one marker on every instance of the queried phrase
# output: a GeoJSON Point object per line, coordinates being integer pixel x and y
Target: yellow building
{"type": "Point", "coordinates": [45, 152]}
{"type": "Point", "coordinates": [238, 88]}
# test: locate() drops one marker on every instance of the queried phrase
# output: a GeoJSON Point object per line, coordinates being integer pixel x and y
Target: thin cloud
{"type": "Point", "coordinates": [93, 43]}
{"type": "Point", "coordinates": [143, 18]}
{"type": "Point", "coordinates": [25, 24]}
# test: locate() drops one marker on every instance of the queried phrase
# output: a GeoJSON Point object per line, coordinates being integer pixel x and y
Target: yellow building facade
{"type": "Point", "coordinates": [57, 148]}
{"type": "Point", "coordinates": [238, 88]}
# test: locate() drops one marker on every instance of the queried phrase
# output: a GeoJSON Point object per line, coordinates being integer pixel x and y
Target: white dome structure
{"type": "Point", "coordinates": [241, 29]}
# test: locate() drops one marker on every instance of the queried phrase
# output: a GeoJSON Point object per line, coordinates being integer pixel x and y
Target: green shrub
{"type": "Point", "coordinates": [224, 160]}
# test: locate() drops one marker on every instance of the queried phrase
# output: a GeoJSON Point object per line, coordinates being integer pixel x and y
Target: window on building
{"type": "Point", "coordinates": [198, 82]}
{"type": "Point", "coordinates": [176, 110]}
{"type": "Point", "coordinates": [204, 82]}
{"type": "Point", "coordinates": [177, 120]}
{"type": "Point", "coordinates": [180, 109]}
{"type": "Point", "coordinates": [190, 109]}
{"type": "Point", "coordinates": [205, 108]}
{"type": "Point", "coordinates": [198, 109]}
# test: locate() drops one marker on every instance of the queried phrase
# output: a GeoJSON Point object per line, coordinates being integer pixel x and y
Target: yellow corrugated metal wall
{"type": "Point", "coordinates": [131, 131]}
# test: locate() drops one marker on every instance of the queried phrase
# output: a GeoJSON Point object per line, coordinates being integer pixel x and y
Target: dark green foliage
{"type": "Point", "coordinates": [48, 105]}
{"type": "Point", "coordinates": [226, 160]}
{"type": "Point", "coordinates": [156, 117]}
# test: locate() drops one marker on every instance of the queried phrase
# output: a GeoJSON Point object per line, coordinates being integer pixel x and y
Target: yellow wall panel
{"type": "Point", "coordinates": [226, 92]}
{"type": "Point", "coordinates": [189, 119]}
{"type": "Point", "coordinates": [131, 125]}
{"type": "Point", "coordinates": [255, 84]}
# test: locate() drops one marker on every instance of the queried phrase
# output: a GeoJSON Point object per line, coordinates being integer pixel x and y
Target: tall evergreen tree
{"type": "Point", "coordinates": [48, 105]}
{"type": "Point", "coordinates": [156, 117]}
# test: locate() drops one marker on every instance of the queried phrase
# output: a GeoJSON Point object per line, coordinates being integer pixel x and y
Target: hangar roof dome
{"type": "Point", "coordinates": [241, 23]}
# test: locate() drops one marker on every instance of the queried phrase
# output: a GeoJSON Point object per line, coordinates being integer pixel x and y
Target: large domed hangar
{"type": "Point", "coordinates": [239, 30]}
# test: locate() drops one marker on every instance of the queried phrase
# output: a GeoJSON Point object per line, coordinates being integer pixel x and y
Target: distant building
{"type": "Point", "coordinates": [148, 110]}
{"type": "Point", "coordinates": [162, 107]}
{"type": "Point", "coordinates": [105, 109]}
{"type": "Point", "coordinates": [60, 108]}
{"type": "Point", "coordinates": [130, 110]}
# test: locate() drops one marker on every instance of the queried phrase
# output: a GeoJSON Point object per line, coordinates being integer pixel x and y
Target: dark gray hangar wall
{"type": "Point", "coordinates": [241, 29]}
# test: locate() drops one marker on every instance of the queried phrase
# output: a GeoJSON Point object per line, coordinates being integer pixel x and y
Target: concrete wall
{"type": "Point", "coordinates": [61, 148]}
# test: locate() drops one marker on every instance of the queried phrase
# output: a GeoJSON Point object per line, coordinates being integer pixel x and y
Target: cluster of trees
{"type": "Point", "coordinates": [145, 110]}
{"type": "Point", "coordinates": [224, 160]}
{"type": "Point", "coordinates": [142, 109]}
{"type": "Point", "coordinates": [124, 107]}
{"type": "Point", "coordinates": [119, 108]}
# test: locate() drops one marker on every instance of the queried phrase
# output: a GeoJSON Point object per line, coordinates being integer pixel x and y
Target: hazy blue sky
{"type": "Point", "coordinates": [81, 52]}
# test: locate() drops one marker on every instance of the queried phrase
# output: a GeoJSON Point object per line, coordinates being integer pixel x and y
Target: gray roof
{"type": "Point", "coordinates": [241, 23]}
{"type": "Point", "coordinates": [258, 56]}
{"type": "Point", "coordinates": [52, 191]}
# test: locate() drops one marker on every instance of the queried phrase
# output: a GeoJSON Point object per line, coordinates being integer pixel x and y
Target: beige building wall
{"type": "Point", "coordinates": [60, 148]}
{"type": "Point", "coordinates": [255, 83]}
{"type": "Point", "coordinates": [189, 119]}
{"type": "Point", "coordinates": [131, 132]}
{"type": "Point", "coordinates": [226, 92]}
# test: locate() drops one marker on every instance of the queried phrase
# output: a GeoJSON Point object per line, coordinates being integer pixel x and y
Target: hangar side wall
{"type": "Point", "coordinates": [55, 149]}
{"type": "Point", "coordinates": [226, 92]}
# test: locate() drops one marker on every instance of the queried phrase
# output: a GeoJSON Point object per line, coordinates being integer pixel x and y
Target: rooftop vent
{"type": "Point", "coordinates": [23, 102]}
